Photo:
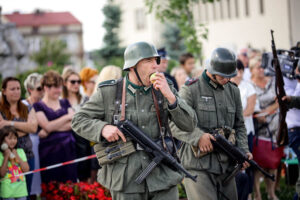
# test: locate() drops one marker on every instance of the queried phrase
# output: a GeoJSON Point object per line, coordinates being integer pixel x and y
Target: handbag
{"type": "Point", "coordinates": [265, 153]}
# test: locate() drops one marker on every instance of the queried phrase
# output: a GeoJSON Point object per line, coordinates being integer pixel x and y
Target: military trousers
{"type": "Point", "coordinates": [169, 194]}
{"type": "Point", "coordinates": [209, 187]}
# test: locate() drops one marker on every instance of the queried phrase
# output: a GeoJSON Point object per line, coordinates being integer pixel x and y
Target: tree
{"type": "Point", "coordinates": [173, 41]}
{"type": "Point", "coordinates": [111, 53]}
{"type": "Point", "coordinates": [180, 12]}
{"type": "Point", "coordinates": [52, 52]}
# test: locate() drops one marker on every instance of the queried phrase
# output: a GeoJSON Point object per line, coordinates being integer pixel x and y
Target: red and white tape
{"type": "Point", "coordinates": [54, 166]}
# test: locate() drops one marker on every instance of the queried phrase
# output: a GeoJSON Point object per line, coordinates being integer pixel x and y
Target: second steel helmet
{"type": "Point", "coordinates": [223, 63]}
{"type": "Point", "coordinates": [138, 51]}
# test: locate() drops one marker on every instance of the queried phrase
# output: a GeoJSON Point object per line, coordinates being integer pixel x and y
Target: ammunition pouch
{"type": "Point", "coordinates": [109, 152]}
{"type": "Point", "coordinates": [227, 132]}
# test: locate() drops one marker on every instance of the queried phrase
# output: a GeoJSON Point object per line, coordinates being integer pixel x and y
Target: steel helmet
{"type": "Point", "coordinates": [223, 63]}
{"type": "Point", "coordinates": [138, 51]}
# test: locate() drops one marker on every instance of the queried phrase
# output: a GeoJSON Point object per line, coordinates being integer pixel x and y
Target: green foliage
{"type": "Point", "coordinates": [171, 64]}
{"type": "Point", "coordinates": [286, 191]}
{"type": "Point", "coordinates": [111, 53]}
{"type": "Point", "coordinates": [40, 70]}
{"type": "Point", "coordinates": [52, 52]}
{"type": "Point", "coordinates": [173, 41]}
{"type": "Point", "coordinates": [181, 190]}
{"type": "Point", "coordinates": [180, 12]}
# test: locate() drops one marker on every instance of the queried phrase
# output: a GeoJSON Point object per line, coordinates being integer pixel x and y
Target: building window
{"type": "Point", "coordinates": [261, 6]}
{"type": "Point", "coordinates": [247, 7]}
{"type": "Point", "coordinates": [214, 11]}
{"type": "Point", "coordinates": [228, 9]}
{"type": "Point", "coordinates": [206, 12]}
{"type": "Point", "coordinates": [221, 10]}
{"type": "Point", "coordinates": [35, 30]}
{"type": "Point", "coordinates": [140, 18]}
{"type": "Point", "coordinates": [237, 8]}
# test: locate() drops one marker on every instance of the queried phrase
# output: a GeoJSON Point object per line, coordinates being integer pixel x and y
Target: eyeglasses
{"type": "Point", "coordinates": [75, 81]}
{"type": "Point", "coordinates": [39, 89]}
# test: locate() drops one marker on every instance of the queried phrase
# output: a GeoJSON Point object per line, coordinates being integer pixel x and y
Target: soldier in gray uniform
{"type": "Point", "coordinates": [218, 105]}
{"type": "Point", "coordinates": [95, 122]}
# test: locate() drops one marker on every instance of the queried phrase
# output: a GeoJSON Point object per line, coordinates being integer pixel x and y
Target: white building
{"type": "Point", "coordinates": [233, 24]}
{"type": "Point", "coordinates": [243, 23]}
{"type": "Point", "coordinates": [51, 25]}
{"type": "Point", "coordinates": [137, 24]}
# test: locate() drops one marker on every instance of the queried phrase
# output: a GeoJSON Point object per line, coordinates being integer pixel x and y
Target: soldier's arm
{"type": "Point", "coordinates": [88, 122]}
{"type": "Point", "coordinates": [182, 115]}
{"type": "Point", "coordinates": [239, 125]}
{"type": "Point", "coordinates": [191, 137]}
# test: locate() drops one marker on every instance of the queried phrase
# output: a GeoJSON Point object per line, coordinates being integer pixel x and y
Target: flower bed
{"type": "Point", "coordinates": [74, 191]}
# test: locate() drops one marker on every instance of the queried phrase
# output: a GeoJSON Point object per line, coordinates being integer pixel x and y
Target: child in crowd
{"type": "Point", "coordinates": [13, 162]}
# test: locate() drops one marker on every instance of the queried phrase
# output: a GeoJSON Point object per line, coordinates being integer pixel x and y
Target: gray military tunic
{"type": "Point", "coordinates": [140, 109]}
{"type": "Point", "coordinates": [216, 106]}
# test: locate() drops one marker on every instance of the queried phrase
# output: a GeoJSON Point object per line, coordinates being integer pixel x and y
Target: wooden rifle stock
{"type": "Point", "coordinates": [282, 135]}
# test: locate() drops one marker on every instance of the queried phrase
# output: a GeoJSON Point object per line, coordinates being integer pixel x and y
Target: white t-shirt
{"type": "Point", "coordinates": [247, 90]}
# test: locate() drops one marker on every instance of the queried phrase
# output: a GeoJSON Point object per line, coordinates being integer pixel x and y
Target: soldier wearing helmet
{"type": "Point", "coordinates": [96, 121]}
{"type": "Point", "coordinates": [218, 106]}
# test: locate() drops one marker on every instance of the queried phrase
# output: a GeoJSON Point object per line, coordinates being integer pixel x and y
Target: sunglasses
{"type": "Point", "coordinates": [39, 89]}
{"type": "Point", "coordinates": [75, 81]}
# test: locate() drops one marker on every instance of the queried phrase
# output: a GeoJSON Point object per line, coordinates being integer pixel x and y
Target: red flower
{"type": "Point", "coordinates": [75, 191]}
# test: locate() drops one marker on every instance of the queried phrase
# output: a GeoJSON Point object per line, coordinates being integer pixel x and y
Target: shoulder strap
{"type": "Point", "coordinates": [118, 99]}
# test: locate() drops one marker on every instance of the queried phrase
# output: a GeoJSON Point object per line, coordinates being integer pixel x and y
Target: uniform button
{"type": "Point", "coordinates": [140, 93]}
{"type": "Point", "coordinates": [143, 126]}
{"type": "Point", "coordinates": [144, 158]}
{"type": "Point", "coordinates": [142, 110]}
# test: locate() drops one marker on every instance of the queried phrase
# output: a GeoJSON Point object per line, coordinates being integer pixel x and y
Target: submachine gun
{"type": "Point", "coordinates": [222, 144]}
{"type": "Point", "coordinates": [158, 153]}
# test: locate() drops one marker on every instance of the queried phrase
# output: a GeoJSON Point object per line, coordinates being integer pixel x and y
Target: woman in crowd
{"type": "Point", "coordinates": [108, 72]}
{"type": "Point", "coordinates": [57, 143]}
{"type": "Point", "coordinates": [71, 93]}
{"type": "Point", "coordinates": [267, 120]}
{"type": "Point", "coordinates": [88, 78]}
{"type": "Point", "coordinates": [180, 76]}
{"type": "Point", "coordinates": [248, 97]}
{"type": "Point", "coordinates": [15, 113]}
{"type": "Point", "coordinates": [35, 93]}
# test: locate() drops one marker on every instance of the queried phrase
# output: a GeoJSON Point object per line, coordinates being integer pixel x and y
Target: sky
{"type": "Point", "coordinates": [88, 12]}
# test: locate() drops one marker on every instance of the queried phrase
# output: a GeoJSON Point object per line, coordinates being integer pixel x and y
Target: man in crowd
{"type": "Point", "coordinates": [96, 122]}
{"type": "Point", "coordinates": [187, 62]}
{"type": "Point", "coordinates": [163, 66]}
{"type": "Point", "coordinates": [218, 106]}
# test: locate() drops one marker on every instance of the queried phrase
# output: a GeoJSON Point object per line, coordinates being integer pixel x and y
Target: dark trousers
{"type": "Point", "coordinates": [29, 177]}
{"type": "Point", "coordinates": [294, 143]}
{"type": "Point", "coordinates": [244, 181]}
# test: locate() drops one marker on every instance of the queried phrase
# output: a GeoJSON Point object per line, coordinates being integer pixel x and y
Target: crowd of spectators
{"type": "Point", "coordinates": [43, 120]}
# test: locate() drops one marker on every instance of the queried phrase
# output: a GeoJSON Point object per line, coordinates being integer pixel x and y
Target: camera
{"type": "Point", "coordinates": [287, 60]}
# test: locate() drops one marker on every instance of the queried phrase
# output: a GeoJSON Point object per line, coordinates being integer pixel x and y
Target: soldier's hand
{"type": "Point", "coordinates": [205, 144]}
{"type": "Point", "coordinates": [112, 133]}
{"type": "Point", "coordinates": [287, 99]}
{"type": "Point", "coordinates": [160, 83]}
{"type": "Point", "coordinates": [246, 164]}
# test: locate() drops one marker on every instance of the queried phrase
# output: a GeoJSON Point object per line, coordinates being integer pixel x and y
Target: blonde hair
{"type": "Point", "coordinates": [32, 81]}
{"type": "Point", "coordinates": [108, 72]}
{"type": "Point", "coordinates": [254, 61]}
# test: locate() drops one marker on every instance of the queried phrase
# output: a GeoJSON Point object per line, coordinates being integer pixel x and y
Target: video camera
{"type": "Point", "coordinates": [288, 60]}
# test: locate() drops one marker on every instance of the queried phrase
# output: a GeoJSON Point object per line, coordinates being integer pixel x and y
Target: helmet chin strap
{"type": "Point", "coordinates": [138, 76]}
